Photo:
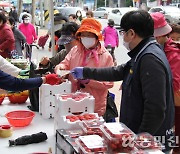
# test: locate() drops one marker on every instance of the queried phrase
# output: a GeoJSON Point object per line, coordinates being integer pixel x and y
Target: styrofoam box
{"type": "Point", "coordinates": [45, 103]}
{"type": "Point", "coordinates": [63, 123]}
{"type": "Point", "coordinates": [69, 105]}
{"type": "Point", "coordinates": [47, 97]}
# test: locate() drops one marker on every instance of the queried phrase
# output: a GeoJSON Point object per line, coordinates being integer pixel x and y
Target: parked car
{"type": "Point", "coordinates": [117, 13]}
{"type": "Point", "coordinates": [66, 11]}
{"type": "Point", "coordinates": [102, 12]}
{"type": "Point", "coordinates": [172, 13]}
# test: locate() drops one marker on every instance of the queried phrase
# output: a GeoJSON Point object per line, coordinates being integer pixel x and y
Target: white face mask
{"type": "Point", "coordinates": [126, 44]}
{"type": "Point", "coordinates": [78, 14]}
{"type": "Point", "coordinates": [88, 42]}
{"type": "Point", "coordinates": [26, 21]}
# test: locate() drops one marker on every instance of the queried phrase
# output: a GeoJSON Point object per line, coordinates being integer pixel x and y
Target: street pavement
{"type": "Point", "coordinates": [120, 54]}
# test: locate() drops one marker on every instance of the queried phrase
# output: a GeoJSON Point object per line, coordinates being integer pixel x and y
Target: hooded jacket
{"type": "Point", "coordinates": [98, 89]}
{"type": "Point", "coordinates": [172, 51]}
{"type": "Point", "coordinates": [110, 36]}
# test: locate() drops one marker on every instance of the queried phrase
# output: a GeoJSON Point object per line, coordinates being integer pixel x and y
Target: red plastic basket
{"type": "Point", "coordinates": [20, 118]}
{"type": "Point", "coordinates": [1, 100]}
{"type": "Point", "coordinates": [17, 99]}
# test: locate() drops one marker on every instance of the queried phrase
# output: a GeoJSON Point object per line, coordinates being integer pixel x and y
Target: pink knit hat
{"type": "Point", "coordinates": [161, 27]}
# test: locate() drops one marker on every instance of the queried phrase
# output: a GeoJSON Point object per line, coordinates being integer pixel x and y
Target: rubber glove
{"type": "Point", "coordinates": [24, 72]}
{"type": "Point", "coordinates": [77, 72]}
{"type": "Point", "coordinates": [52, 79]}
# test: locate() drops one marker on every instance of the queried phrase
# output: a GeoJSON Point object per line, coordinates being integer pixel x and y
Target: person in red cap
{"type": "Point", "coordinates": [172, 51]}
{"type": "Point", "coordinates": [89, 52]}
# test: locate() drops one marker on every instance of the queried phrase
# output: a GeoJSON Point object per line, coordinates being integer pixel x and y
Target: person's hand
{"type": "Point", "coordinates": [57, 68]}
{"type": "Point", "coordinates": [24, 72]}
{"type": "Point", "coordinates": [1, 50]}
{"type": "Point", "coordinates": [35, 41]}
{"type": "Point", "coordinates": [77, 72]}
{"type": "Point", "coordinates": [44, 61]}
{"type": "Point", "coordinates": [52, 79]}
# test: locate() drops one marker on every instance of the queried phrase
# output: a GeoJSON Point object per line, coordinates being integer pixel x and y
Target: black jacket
{"type": "Point", "coordinates": [147, 103]}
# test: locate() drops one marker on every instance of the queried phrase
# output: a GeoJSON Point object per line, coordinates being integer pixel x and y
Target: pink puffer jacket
{"type": "Point", "coordinates": [97, 89]}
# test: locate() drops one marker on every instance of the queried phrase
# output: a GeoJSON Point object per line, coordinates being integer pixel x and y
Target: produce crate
{"type": "Point", "coordinates": [47, 97]}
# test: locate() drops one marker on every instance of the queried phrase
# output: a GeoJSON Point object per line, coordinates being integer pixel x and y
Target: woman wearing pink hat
{"type": "Point", "coordinates": [172, 51]}
{"type": "Point", "coordinates": [89, 53]}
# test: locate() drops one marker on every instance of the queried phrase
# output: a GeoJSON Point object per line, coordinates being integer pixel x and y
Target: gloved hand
{"type": "Point", "coordinates": [24, 72]}
{"type": "Point", "coordinates": [52, 79]}
{"type": "Point", "coordinates": [77, 72]}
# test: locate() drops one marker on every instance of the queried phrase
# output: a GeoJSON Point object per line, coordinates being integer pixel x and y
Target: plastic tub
{"type": "Point", "coordinates": [91, 144]}
{"type": "Point", "coordinates": [118, 137]}
{"type": "Point", "coordinates": [20, 118]}
{"type": "Point", "coordinates": [145, 141]}
{"type": "Point", "coordinates": [92, 127]}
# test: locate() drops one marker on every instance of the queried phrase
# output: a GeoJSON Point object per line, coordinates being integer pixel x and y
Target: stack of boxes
{"type": "Point", "coordinates": [47, 97]}
{"type": "Point", "coordinates": [72, 106]}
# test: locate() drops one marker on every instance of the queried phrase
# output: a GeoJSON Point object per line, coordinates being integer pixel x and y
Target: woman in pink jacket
{"type": "Point", "coordinates": [111, 38]}
{"type": "Point", "coordinates": [28, 29]}
{"type": "Point", "coordinates": [89, 52]}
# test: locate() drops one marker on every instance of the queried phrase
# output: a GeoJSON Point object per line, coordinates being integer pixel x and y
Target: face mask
{"type": "Point", "coordinates": [26, 21]}
{"type": "Point", "coordinates": [126, 44]}
{"type": "Point", "coordinates": [88, 42]}
{"type": "Point", "coordinates": [78, 14]}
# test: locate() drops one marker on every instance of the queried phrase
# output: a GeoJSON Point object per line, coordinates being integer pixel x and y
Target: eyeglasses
{"type": "Point", "coordinates": [123, 32]}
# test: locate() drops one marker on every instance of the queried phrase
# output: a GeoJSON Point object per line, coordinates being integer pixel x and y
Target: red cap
{"type": "Point", "coordinates": [161, 27]}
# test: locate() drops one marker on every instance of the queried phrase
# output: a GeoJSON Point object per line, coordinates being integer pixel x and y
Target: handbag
{"type": "Point", "coordinates": [111, 109]}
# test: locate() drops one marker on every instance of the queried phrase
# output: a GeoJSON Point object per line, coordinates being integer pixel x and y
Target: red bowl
{"type": "Point", "coordinates": [20, 118]}
{"type": "Point", "coordinates": [1, 100]}
{"type": "Point", "coordinates": [17, 99]}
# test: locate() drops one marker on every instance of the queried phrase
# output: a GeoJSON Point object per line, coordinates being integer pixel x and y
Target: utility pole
{"type": "Point", "coordinates": [33, 10]}
{"type": "Point", "coordinates": [123, 3]}
{"type": "Point", "coordinates": [20, 3]}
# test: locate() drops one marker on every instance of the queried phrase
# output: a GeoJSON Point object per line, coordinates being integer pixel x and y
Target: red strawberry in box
{"type": "Point", "coordinates": [76, 96]}
{"type": "Point", "coordinates": [147, 141]}
{"type": "Point", "coordinates": [92, 127]}
{"type": "Point", "coordinates": [91, 144]}
{"type": "Point", "coordinates": [86, 116]}
{"type": "Point", "coordinates": [118, 137]}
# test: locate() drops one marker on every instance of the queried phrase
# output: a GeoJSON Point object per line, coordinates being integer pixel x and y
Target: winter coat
{"type": "Point", "coordinates": [29, 32]}
{"type": "Point", "coordinates": [98, 89]}
{"type": "Point", "coordinates": [110, 36]}
{"type": "Point", "coordinates": [7, 67]}
{"type": "Point", "coordinates": [172, 51]}
{"type": "Point", "coordinates": [7, 41]}
{"type": "Point", "coordinates": [19, 40]}
{"type": "Point", "coordinates": [11, 83]}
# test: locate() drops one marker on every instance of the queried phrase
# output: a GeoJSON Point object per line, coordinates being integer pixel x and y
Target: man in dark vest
{"type": "Point", "coordinates": [147, 103]}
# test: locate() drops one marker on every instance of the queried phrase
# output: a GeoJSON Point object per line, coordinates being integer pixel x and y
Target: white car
{"type": "Point", "coordinates": [117, 13]}
{"type": "Point", "coordinates": [66, 11]}
{"type": "Point", "coordinates": [102, 12]}
{"type": "Point", "coordinates": [171, 13]}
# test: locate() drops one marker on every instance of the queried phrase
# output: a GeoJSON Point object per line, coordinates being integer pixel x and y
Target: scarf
{"type": "Point", "coordinates": [88, 54]}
